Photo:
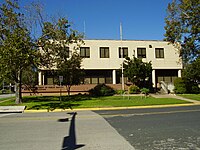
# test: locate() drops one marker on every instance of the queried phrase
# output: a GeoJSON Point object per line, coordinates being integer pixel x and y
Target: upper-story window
{"type": "Point", "coordinates": [85, 52]}
{"type": "Point", "coordinates": [64, 52]}
{"type": "Point", "coordinates": [159, 52]}
{"type": "Point", "coordinates": [104, 52]}
{"type": "Point", "coordinates": [141, 52]}
{"type": "Point", "coordinates": [123, 53]}
{"type": "Point", "coordinates": [67, 52]}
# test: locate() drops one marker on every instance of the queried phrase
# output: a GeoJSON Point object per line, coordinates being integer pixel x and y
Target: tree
{"type": "Point", "coordinates": [54, 44]}
{"type": "Point", "coordinates": [17, 50]}
{"type": "Point", "coordinates": [138, 72]}
{"type": "Point", "coordinates": [30, 79]}
{"type": "Point", "coordinates": [71, 71]}
{"type": "Point", "coordinates": [192, 71]}
{"type": "Point", "coordinates": [182, 26]}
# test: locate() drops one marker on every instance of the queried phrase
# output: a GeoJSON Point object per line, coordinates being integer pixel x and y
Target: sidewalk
{"type": "Point", "coordinates": [12, 109]}
{"type": "Point", "coordinates": [174, 96]}
{"type": "Point", "coordinates": [82, 130]}
{"type": "Point", "coordinates": [6, 95]}
{"type": "Point", "coordinates": [94, 133]}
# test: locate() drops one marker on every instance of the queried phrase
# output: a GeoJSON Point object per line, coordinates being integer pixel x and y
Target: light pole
{"type": "Point", "coordinates": [61, 80]}
{"type": "Point", "coordinates": [122, 57]}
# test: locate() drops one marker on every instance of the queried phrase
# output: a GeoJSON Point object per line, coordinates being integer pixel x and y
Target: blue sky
{"type": "Point", "coordinates": [141, 19]}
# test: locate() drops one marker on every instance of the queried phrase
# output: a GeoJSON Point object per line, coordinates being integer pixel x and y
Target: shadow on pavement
{"type": "Point", "coordinates": [69, 142]}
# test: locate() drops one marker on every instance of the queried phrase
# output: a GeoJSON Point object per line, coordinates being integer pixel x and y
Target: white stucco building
{"type": "Point", "coordinates": [102, 60]}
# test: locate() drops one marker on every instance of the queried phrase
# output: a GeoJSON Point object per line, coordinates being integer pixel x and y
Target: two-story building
{"type": "Point", "coordinates": [102, 60]}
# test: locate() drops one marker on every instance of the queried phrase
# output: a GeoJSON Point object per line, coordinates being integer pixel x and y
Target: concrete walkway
{"type": "Point", "coordinates": [97, 134]}
{"type": "Point", "coordinates": [6, 95]}
{"type": "Point", "coordinates": [174, 96]}
{"type": "Point", "coordinates": [12, 109]}
{"type": "Point", "coordinates": [84, 130]}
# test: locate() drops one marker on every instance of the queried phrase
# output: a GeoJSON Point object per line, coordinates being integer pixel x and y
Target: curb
{"type": "Point", "coordinates": [112, 108]}
{"type": "Point", "coordinates": [12, 109]}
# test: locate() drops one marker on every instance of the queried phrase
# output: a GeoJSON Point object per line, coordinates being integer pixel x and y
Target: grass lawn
{"type": "Point", "coordinates": [191, 96]}
{"type": "Point", "coordinates": [83, 101]}
{"type": "Point", "coordinates": [7, 98]}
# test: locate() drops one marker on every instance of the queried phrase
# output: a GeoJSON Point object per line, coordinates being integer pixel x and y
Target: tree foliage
{"type": "Point", "coordinates": [184, 85]}
{"type": "Point", "coordinates": [192, 71]}
{"type": "Point", "coordinates": [54, 44]}
{"type": "Point", "coordinates": [17, 50]}
{"type": "Point", "coordinates": [182, 26]}
{"type": "Point", "coordinates": [71, 71]}
{"type": "Point", "coordinates": [138, 72]}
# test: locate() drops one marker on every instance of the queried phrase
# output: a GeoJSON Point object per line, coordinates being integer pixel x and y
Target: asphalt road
{"type": "Point", "coordinates": [84, 130]}
{"type": "Point", "coordinates": [158, 129]}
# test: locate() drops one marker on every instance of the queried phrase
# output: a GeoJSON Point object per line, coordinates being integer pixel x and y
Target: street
{"type": "Point", "coordinates": [158, 129]}
{"type": "Point", "coordinates": [70, 130]}
{"type": "Point", "coordinates": [142, 129]}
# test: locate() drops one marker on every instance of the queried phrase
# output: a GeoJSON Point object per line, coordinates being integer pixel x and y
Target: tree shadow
{"type": "Point", "coordinates": [40, 99]}
{"type": "Point", "coordinates": [69, 142]}
{"type": "Point", "coordinates": [50, 106]}
{"type": "Point", "coordinates": [78, 97]}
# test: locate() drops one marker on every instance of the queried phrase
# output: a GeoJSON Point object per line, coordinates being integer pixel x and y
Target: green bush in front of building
{"type": "Point", "coordinates": [145, 91]}
{"type": "Point", "coordinates": [102, 90]}
{"type": "Point", "coordinates": [179, 86]}
{"type": "Point", "coordinates": [5, 91]}
{"type": "Point", "coordinates": [133, 89]}
{"type": "Point", "coordinates": [183, 86]}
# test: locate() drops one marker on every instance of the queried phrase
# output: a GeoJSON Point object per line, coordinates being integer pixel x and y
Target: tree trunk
{"type": "Point", "coordinates": [18, 93]}
{"type": "Point", "coordinates": [68, 90]}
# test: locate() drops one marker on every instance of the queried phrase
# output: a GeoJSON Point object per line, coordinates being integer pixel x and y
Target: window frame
{"type": "Point", "coordinates": [141, 54]}
{"type": "Point", "coordinates": [104, 52]}
{"type": "Point", "coordinates": [159, 53]}
{"type": "Point", "coordinates": [67, 49]}
{"type": "Point", "coordinates": [86, 51]}
{"type": "Point", "coordinates": [124, 51]}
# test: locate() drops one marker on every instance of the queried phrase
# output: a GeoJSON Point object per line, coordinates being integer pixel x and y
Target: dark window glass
{"type": "Point", "coordinates": [141, 52]}
{"type": "Point", "coordinates": [85, 52]}
{"type": "Point", "coordinates": [124, 52]}
{"type": "Point", "coordinates": [104, 52]}
{"type": "Point", "coordinates": [159, 52]}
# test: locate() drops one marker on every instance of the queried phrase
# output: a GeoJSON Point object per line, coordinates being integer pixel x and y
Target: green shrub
{"type": "Point", "coordinates": [133, 89]}
{"type": "Point", "coordinates": [192, 87]}
{"type": "Point", "coordinates": [5, 91]}
{"type": "Point", "coordinates": [120, 92]}
{"type": "Point", "coordinates": [102, 90]}
{"type": "Point", "coordinates": [145, 91]}
{"type": "Point", "coordinates": [179, 86]}
{"type": "Point", "coordinates": [183, 85]}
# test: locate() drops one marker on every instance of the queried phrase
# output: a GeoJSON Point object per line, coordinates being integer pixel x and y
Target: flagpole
{"type": "Point", "coordinates": [84, 36]}
{"type": "Point", "coordinates": [122, 57]}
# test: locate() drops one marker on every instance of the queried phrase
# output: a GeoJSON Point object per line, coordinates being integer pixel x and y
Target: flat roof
{"type": "Point", "coordinates": [122, 40]}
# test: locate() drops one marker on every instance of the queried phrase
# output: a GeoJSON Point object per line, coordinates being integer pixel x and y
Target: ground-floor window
{"type": "Point", "coordinates": [98, 76]}
{"type": "Point", "coordinates": [91, 77]}
{"type": "Point", "coordinates": [168, 76]}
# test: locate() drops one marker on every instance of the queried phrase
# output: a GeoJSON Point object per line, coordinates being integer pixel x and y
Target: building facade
{"type": "Point", "coordinates": [102, 60]}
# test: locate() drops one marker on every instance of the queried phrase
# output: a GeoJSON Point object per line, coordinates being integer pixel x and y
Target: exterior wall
{"type": "Point", "coordinates": [171, 60]}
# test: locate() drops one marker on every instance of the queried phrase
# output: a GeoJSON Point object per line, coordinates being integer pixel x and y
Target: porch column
{"type": "Point", "coordinates": [179, 73]}
{"type": "Point", "coordinates": [154, 78]}
{"type": "Point", "coordinates": [43, 79]}
{"type": "Point", "coordinates": [114, 76]}
{"type": "Point", "coordinates": [39, 78]}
